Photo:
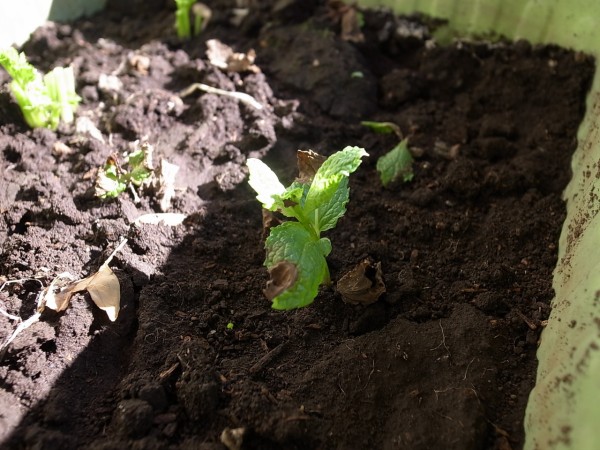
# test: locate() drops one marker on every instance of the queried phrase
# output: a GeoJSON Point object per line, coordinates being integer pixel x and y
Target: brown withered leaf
{"type": "Point", "coordinates": [363, 284]}
{"type": "Point", "coordinates": [347, 16]}
{"type": "Point", "coordinates": [103, 287]}
{"type": "Point", "coordinates": [351, 26]}
{"type": "Point", "coordinates": [283, 276]}
{"type": "Point", "coordinates": [222, 56]}
{"type": "Point", "coordinates": [269, 220]}
{"type": "Point", "coordinates": [308, 164]}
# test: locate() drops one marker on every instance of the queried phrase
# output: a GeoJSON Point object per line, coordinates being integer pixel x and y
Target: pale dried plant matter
{"type": "Point", "coordinates": [103, 286]}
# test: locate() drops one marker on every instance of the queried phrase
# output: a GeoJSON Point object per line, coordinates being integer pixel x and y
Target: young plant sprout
{"type": "Point", "coordinates": [398, 162]}
{"type": "Point", "coordinates": [112, 179]}
{"type": "Point", "coordinates": [44, 100]}
{"type": "Point", "coordinates": [183, 23]}
{"type": "Point", "coordinates": [296, 251]}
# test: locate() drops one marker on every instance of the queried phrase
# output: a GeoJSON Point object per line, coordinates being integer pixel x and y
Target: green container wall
{"type": "Point", "coordinates": [563, 411]}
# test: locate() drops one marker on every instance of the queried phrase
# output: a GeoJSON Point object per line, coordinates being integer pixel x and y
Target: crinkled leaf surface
{"type": "Point", "coordinates": [326, 200]}
{"type": "Point", "coordinates": [293, 243]}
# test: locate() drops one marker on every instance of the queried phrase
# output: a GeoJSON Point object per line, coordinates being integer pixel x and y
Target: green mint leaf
{"type": "Point", "coordinates": [291, 242]}
{"type": "Point", "coordinates": [109, 183]}
{"type": "Point", "coordinates": [272, 194]}
{"type": "Point", "coordinates": [266, 184]}
{"type": "Point", "coordinates": [138, 171]}
{"type": "Point", "coordinates": [395, 164]}
{"type": "Point", "coordinates": [383, 127]}
{"type": "Point", "coordinates": [328, 194]}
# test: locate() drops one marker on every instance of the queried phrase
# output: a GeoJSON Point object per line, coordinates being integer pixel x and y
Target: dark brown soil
{"type": "Point", "coordinates": [444, 360]}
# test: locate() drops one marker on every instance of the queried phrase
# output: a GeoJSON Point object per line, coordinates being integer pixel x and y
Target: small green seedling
{"type": "Point", "coordinates": [183, 23]}
{"type": "Point", "coordinates": [398, 162]}
{"type": "Point", "coordinates": [112, 179]}
{"type": "Point", "coordinates": [44, 100]}
{"type": "Point", "coordinates": [230, 325]}
{"type": "Point", "coordinates": [296, 251]}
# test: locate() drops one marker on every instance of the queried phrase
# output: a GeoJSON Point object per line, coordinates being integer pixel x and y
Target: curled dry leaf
{"type": "Point", "coordinates": [138, 63]}
{"type": "Point", "coordinates": [222, 56]}
{"type": "Point", "coordinates": [233, 438]}
{"type": "Point", "coordinates": [269, 220]}
{"type": "Point", "coordinates": [349, 19]}
{"type": "Point", "coordinates": [103, 287]}
{"type": "Point", "coordinates": [283, 276]}
{"type": "Point", "coordinates": [60, 149]}
{"type": "Point", "coordinates": [84, 125]}
{"type": "Point", "coordinates": [363, 284]}
{"type": "Point", "coordinates": [308, 164]}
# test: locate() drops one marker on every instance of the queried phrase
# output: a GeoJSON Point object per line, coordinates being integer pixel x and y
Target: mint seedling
{"type": "Point", "coordinates": [398, 162]}
{"type": "Point", "coordinates": [44, 100]}
{"type": "Point", "coordinates": [296, 251]}
{"type": "Point", "coordinates": [112, 179]}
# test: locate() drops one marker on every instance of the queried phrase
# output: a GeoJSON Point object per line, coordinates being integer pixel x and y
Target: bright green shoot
{"type": "Point", "coordinates": [296, 251]}
{"type": "Point", "coordinates": [398, 162]}
{"type": "Point", "coordinates": [44, 100]}
{"type": "Point", "coordinates": [183, 22]}
{"type": "Point", "coordinates": [182, 18]}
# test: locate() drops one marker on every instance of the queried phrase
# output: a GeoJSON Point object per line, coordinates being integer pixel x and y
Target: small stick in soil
{"type": "Point", "coordinates": [532, 326]}
{"type": "Point", "coordinates": [22, 324]}
{"type": "Point", "coordinates": [269, 357]}
{"type": "Point", "coordinates": [244, 98]}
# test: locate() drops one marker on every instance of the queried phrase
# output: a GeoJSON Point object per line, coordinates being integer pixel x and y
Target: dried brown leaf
{"type": "Point", "coordinates": [283, 276]}
{"type": "Point", "coordinates": [347, 16]}
{"type": "Point", "coordinates": [363, 284]}
{"type": "Point", "coordinates": [351, 26]}
{"type": "Point", "coordinates": [222, 56]}
{"type": "Point", "coordinates": [103, 287]}
{"type": "Point", "coordinates": [269, 221]}
{"type": "Point", "coordinates": [308, 164]}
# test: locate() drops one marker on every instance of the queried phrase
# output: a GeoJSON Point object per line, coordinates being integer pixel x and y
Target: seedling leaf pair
{"type": "Point", "coordinates": [295, 250]}
{"type": "Point", "coordinates": [44, 100]}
